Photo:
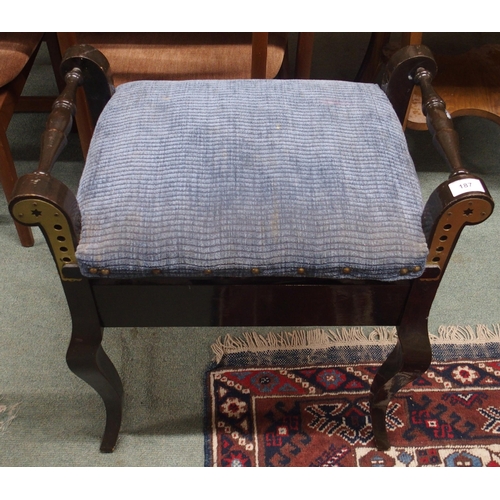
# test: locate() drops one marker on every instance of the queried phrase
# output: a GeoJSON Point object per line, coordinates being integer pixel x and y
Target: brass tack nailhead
{"type": "Point", "coordinates": [93, 270]}
{"type": "Point", "coordinates": [346, 270]}
{"type": "Point", "coordinates": [416, 269]}
{"type": "Point", "coordinates": [403, 271]}
{"type": "Point", "coordinates": [255, 270]}
{"type": "Point", "coordinates": [105, 272]}
{"type": "Point", "coordinates": [207, 272]}
{"type": "Point", "coordinates": [156, 271]}
{"type": "Point", "coordinates": [301, 270]}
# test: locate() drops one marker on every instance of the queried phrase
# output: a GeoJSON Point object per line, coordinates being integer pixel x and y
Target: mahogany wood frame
{"type": "Point", "coordinates": [97, 303]}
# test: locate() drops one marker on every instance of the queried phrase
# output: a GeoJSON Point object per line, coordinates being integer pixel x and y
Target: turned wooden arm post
{"type": "Point", "coordinates": [398, 79]}
{"type": "Point", "coordinates": [461, 200]}
{"type": "Point", "coordinates": [439, 122]}
{"type": "Point", "coordinates": [60, 121]}
{"type": "Point", "coordinates": [42, 200]}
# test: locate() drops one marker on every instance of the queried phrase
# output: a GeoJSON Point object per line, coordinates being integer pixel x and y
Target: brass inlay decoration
{"type": "Point", "coordinates": [55, 227]}
{"type": "Point", "coordinates": [463, 212]}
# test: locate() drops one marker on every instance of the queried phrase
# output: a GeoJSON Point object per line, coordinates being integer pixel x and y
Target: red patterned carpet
{"type": "Point", "coordinates": [318, 416]}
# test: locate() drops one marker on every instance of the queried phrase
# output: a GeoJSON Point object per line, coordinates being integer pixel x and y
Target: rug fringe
{"type": "Point", "coordinates": [466, 334]}
{"type": "Point", "coordinates": [323, 339]}
{"type": "Point", "coordinates": [300, 339]}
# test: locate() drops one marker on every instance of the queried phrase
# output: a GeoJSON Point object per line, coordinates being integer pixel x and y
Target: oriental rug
{"type": "Point", "coordinates": [308, 407]}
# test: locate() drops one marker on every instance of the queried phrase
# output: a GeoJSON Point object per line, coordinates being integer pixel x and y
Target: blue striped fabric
{"type": "Point", "coordinates": [234, 176]}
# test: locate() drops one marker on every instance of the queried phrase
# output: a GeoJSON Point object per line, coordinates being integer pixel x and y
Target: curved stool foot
{"type": "Point", "coordinates": [89, 362]}
{"type": "Point", "coordinates": [409, 359]}
{"type": "Point", "coordinates": [113, 423]}
{"type": "Point", "coordinates": [379, 429]}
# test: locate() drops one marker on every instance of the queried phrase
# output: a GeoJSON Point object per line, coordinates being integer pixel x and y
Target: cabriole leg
{"type": "Point", "coordinates": [87, 359]}
{"type": "Point", "coordinates": [409, 359]}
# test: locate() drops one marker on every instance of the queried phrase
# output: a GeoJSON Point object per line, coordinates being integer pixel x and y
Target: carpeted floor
{"type": "Point", "coordinates": [60, 419]}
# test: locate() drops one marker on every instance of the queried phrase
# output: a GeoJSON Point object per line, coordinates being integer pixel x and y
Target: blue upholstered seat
{"type": "Point", "coordinates": [245, 177]}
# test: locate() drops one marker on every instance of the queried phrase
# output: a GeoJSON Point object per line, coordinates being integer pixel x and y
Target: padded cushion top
{"type": "Point", "coordinates": [250, 177]}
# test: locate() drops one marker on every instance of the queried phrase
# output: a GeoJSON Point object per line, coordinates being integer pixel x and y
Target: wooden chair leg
{"type": "Point", "coordinates": [86, 359]}
{"type": "Point", "coordinates": [8, 178]}
{"type": "Point", "coordinates": [55, 58]}
{"type": "Point", "coordinates": [373, 59]}
{"type": "Point", "coordinates": [409, 359]}
{"type": "Point", "coordinates": [89, 362]}
{"type": "Point", "coordinates": [303, 60]}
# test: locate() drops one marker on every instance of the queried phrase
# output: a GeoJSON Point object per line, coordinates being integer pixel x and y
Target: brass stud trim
{"type": "Point", "coordinates": [346, 270]}
{"type": "Point", "coordinates": [301, 271]}
{"type": "Point", "coordinates": [255, 270]}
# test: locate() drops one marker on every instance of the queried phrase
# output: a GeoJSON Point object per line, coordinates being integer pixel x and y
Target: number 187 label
{"type": "Point", "coordinates": [466, 186]}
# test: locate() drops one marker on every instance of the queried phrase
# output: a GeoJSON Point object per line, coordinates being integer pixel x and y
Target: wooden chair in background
{"type": "Point", "coordinates": [469, 82]}
{"type": "Point", "coordinates": [188, 56]}
{"type": "Point", "coordinates": [17, 54]}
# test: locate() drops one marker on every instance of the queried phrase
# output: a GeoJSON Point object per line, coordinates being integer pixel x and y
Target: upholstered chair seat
{"type": "Point", "coordinates": [250, 177]}
{"type": "Point", "coordinates": [15, 52]}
